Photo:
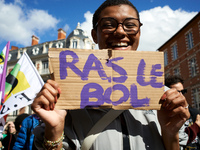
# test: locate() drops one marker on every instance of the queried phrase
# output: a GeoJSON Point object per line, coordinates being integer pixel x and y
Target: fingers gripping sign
{"type": "Point", "coordinates": [174, 110]}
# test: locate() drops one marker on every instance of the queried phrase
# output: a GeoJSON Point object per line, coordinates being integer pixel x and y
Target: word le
{"type": "Point", "coordinates": [99, 93]}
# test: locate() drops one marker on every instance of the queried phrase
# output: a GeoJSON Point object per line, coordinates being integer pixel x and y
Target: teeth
{"type": "Point", "coordinates": [120, 44]}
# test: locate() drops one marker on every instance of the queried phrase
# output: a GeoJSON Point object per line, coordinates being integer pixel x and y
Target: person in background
{"type": "Point", "coordinates": [116, 26]}
{"type": "Point", "coordinates": [9, 140]}
{"type": "Point", "coordinates": [18, 121]}
{"type": "Point", "coordinates": [25, 136]}
{"type": "Point", "coordinates": [189, 134]}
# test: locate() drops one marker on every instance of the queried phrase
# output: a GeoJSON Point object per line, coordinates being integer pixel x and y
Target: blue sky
{"type": "Point", "coordinates": [20, 19]}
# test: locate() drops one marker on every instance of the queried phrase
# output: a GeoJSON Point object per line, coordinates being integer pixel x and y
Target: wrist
{"type": "Point", "coordinates": [53, 145]}
{"type": "Point", "coordinates": [171, 141]}
{"type": "Point", "coordinates": [53, 133]}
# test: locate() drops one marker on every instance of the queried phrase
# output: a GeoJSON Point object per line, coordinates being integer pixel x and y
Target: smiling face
{"type": "Point", "coordinates": [119, 40]}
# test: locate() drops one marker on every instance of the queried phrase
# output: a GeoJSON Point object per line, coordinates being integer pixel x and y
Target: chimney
{"type": "Point", "coordinates": [61, 34]}
{"type": "Point", "coordinates": [35, 40]}
{"type": "Point", "coordinates": [14, 48]}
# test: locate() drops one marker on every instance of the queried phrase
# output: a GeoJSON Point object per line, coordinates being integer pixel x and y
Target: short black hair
{"type": "Point", "coordinates": [173, 79]}
{"type": "Point", "coordinates": [108, 3]}
{"type": "Point", "coordinates": [19, 119]}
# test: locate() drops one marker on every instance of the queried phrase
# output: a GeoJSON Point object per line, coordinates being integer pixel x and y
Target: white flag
{"type": "Point", "coordinates": [22, 85]}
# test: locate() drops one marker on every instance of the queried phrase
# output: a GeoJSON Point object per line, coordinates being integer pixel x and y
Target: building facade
{"type": "Point", "coordinates": [182, 57]}
{"type": "Point", "coordinates": [38, 53]}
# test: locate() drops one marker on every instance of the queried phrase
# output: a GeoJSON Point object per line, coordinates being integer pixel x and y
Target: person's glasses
{"type": "Point", "coordinates": [183, 91]}
{"type": "Point", "coordinates": [110, 25]}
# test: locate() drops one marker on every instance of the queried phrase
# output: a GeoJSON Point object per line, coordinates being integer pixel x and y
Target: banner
{"type": "Point", "coordinates": [108, 78]}
{"type": "Point", "coordinates": [3, 67]}
{"type": "Point", "coordinates": [22, 85]}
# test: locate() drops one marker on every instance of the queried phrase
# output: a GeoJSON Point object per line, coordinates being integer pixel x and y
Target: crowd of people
{"type": "Point", "coordinates": [18, 135]}
{"type": "Point", "coordinates": [116, 26]}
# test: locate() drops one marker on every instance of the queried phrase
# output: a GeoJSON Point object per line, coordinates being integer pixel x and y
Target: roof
{"type": "Point", "coordinates": [180, 30]}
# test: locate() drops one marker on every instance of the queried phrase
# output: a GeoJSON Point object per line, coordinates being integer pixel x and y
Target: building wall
{"type": "Point", "coordinates": [38, 53]}
{"type": "Point", "coordinates": [185, 56]}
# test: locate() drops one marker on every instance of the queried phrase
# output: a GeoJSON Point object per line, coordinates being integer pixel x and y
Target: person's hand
{"type": "Point", "coordinates": [44, 107]}
{"type": "Point", "coordinates": [198, 120]}
{"type": "Point", "coordinates": [172, 115]}
{"type": "Point", "coordinates": [174, 111]}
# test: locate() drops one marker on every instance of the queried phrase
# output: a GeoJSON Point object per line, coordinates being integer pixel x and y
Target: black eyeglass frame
{"type": "Point", "coordinates": [140, 24]}
{"type": "Point", "coordinates": [183, 91]}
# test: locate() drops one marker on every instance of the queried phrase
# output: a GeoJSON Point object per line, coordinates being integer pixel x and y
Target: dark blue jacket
{"type": "Point", "coordinates": [25, 136]}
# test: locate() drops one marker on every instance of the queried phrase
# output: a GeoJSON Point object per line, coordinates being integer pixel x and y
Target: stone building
{"type": "Point", "coordinates": [38, 53]}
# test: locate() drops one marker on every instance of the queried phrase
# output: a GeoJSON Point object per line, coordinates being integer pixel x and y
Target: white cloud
{"type": "Point", "coordinates": [160, 24]}
{"type": "Point", "coordinates": [40, 20]}
{"type": "Point", "coordinates": [66, 28]}
{"type": "Point", "coordinates": [87, 24]}
{"type": "Point", "coordinates": [19, 25]}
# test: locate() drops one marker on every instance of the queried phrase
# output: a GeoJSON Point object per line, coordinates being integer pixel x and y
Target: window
{"type": "Point", "coordinates": [165, 58]}
{"type": "Point", "coordinates": [196, 98]}
{"type": "Point", "coordinates": [35, 51]}
{"type": "Point", "coordinates": [45, 67]}
{"type": "Point", "coordinates": [76, 32]}
{"type": "Point", "coordinates": [9, 57]}
{"type": "Point", "coordinates": [45, 48]}
{"type": "Point", "coordinates": [45, 64]}
{"type": "Point", "coordinates": [189, 40]}
{"type": "Point", "coordinates": [176, 71]}
{"type": "Point", "coordinates": [193, 67]}
{"type": "Point", "coordinates": [59, 45]}
{"type": "Point", "coordinates": [20, 53]}
{"type": "Point", "coordinates": [174, 52]}
{"type": "Point", "coordinates": [74, 43]}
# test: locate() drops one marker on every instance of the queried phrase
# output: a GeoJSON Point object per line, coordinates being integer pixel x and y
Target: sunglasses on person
{"type": "Point", "coordinates": [183, 91]}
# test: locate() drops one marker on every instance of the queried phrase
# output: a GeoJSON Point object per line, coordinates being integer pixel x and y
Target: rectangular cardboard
{"type": "Point", "coordinates": [107, 78]}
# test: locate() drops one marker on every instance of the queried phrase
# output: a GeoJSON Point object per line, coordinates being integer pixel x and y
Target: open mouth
{"type": "Point", "coordinates": [120, 44]}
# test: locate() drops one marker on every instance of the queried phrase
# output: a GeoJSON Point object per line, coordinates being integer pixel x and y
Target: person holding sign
{"type": "Point", "coordinates": [189, 134]}
{"type": "Point", "coordinates": [116, 26]}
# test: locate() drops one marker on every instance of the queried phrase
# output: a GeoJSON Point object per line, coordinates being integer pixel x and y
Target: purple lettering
{"type": "Point", "coordinates": [135, 102]}
{"type": "Point", "coordinates": [154, 82]}
{"type": "Point", "coordinates": [86, 94]}
{"type": "Point", "coordinates": [64, 64]}
{"type": "Point", "coordinates": [154, 68]}
{"type": "Point", "coordinates": [140, 73]}
{"type": "Point", "coordinates": [119, 87]}
{"type": "Point", "coordinates": [118, 69]}
{"type": "Point", "coordinates": [92, 59]}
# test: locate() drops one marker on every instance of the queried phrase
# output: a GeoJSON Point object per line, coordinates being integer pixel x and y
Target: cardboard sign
{"type": "Point", "coordinates": [108, 78]}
